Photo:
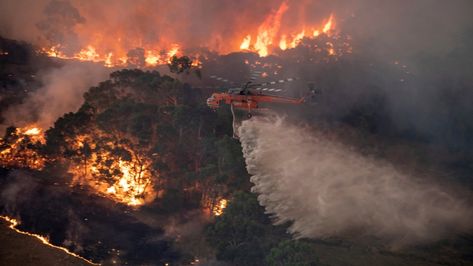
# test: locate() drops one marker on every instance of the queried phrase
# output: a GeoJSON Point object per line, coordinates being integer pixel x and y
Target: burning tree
{"type": "Point", "coordinates": [20, 148]}
{"type": "Point", "coordinates": [141, 135]}
{"type": "Point", "coordinates": [106, 159]}
{"type": "Point", "coordinates": [67, 32]}
{"type": "Point", "coordinates": [113, 168]}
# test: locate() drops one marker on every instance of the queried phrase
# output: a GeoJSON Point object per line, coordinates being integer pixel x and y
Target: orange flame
{"type": "Point", "coordinates": [270, 30]}
{"type": "Point", "coordinates": [111, 46]}
{"type": "Point", "coordinates": [125, 181]}
{"type": "Point", "coordinates": [15, 150]}
{"type": "Point", "coordinates": [297, 39]}
{"type": "Point", "coordinates": [14, 223]}
{"type": "Point", "coordinates": [151, 57]}
{"type": "Point", "coordinates": [220, 207]}
{"type": "Point", "coordinates": [131, 185]}
{"type": "Point", "coordinates": [328, 25]}
{"type": "Point", "coordinates": [245, 44]}
{"type": "Point", "coordinates": [283, 43]}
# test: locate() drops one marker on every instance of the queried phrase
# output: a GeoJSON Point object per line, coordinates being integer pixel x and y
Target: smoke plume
{"type": "Point", "coordinates": [328, 190]}
{"type": "Point", "coordinates": [17, 190]}
{"type": "Point", "coordinates": [61, 92]}
{"type": "Point", "coordinates": [218, 25]}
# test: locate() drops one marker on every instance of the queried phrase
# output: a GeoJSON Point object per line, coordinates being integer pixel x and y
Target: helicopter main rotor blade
{"type": "Point", "coordinates": [268, 89]}
{"type": "Point", "coordinates": [254, 75]}
{"type": "Point", "coordinates": [280, 81]}
{"type": "Point", "coordinates": [215, 77]}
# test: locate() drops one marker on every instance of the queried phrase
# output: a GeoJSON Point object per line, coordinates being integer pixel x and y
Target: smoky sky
{"type": "Point", "coordinates": [429, 41]}
{"type": "Point", "coordinates": [427, 87]}
{"type": "Point", "coordinates": [60, 93]}
{"type": "Point", "coordinates": [390, 26]}
{"type": "Point", "coordinates": [392, 30]}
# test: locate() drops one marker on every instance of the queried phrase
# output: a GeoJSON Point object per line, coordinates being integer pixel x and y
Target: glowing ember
{"type": "Point", "coordinates": [196, 63]}
{"type": "Point", "coordinates": [19, 148]}
{"type": "Point", "coordinates": [174, 51]}
{"type": "Point", "coordinates": [14, 223]}
{"type": "Point", "coordinates": [220, 207]}
{"type": "Point", "coordinates": [152, 58]}
{"type": "Point", "coordinates": [34, 131]}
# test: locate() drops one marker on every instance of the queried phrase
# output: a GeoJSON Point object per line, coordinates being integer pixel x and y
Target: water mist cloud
{"type": "Point", "coordinates": [328, 190]}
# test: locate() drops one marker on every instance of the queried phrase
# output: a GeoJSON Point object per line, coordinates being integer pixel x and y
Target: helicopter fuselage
{"type": "Point", "coordinates": [248, 101]}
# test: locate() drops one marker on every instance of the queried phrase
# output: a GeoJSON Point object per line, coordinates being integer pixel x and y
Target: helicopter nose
{"type": "Point", "coordinates": [212, 103]}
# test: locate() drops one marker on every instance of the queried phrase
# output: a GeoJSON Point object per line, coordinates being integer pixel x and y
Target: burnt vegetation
{"type": "Point", "coordinates": [181, 155]}
{"type": "Point", "coordinates": [19, 66]}
{"type": "Point", "coordinates": [152, 121]}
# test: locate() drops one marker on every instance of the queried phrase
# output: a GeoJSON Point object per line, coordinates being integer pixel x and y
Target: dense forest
{"type": "Point", "coordinates": [115, 148]}
{"type": "Point", "coordinates": [144, 151]}
{"type": "Point", "coordinates": [181, 156]}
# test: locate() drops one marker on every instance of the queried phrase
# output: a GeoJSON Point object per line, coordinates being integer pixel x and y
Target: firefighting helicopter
{"type": "Point", "coordinates": [251, 94]}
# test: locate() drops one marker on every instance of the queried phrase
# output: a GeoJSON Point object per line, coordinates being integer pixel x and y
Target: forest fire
{"type": "Point", "coordinates": [19, 148]}
{"type": "Point", "coordinates": [139, 57]}
{"type": "Point", "coordinates": [120, 47]}
{"type": "Point", "coordinates": [220, 207]}
{"type": "Point", "coordinates": [113, 170]}
{"type": "Point", "coordinates": [13, 225]}
{"type": "Point", "coordinates": [265, 43]}
{"type": "Point", "coordinates": [131, 187]}
{"type": "Point", "coordinates": [269, 32]}
{"type": "Point", "coordinates": [33, 132]}
{"type": "Point", "coordinates": [110, 152]}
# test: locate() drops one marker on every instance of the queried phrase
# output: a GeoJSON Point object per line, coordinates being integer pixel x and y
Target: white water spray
{"type": "Point", "coordinates": [328, 190]}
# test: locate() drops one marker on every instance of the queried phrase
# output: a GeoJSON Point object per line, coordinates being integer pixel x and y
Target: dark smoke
{"type": "Point", "coordinates": [17, 190]}
{"type": "Point", "coordinates": [202, 23]}
{"type": "Point", "coordinates": [409, 78]}
{"type": "Point", "coordinates": [60, 93]}
{"type": "Point", "coordinates": [58, 24]}
{"type": "Point", "coordinates": [431, 43]}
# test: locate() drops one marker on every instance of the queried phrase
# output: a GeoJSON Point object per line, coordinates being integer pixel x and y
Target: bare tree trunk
{"type": "Point", "coordinates": [199, 137]}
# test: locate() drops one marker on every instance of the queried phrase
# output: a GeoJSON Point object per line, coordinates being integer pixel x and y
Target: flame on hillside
{"type": "Point", "coordinates": [270, 35]}
{"type": "Point", "coordinates": [19, 148]}
{"type": "Point", "coordinates": [220, 207]}
{"type": "Point", "coordinates": [13, 225]}
{"type": "Point", "coordinates": [117, 48]}
{"type": "Point", "coordinates": [113, 170]}
{"type": "Point", "coordinates": [141, 58]}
